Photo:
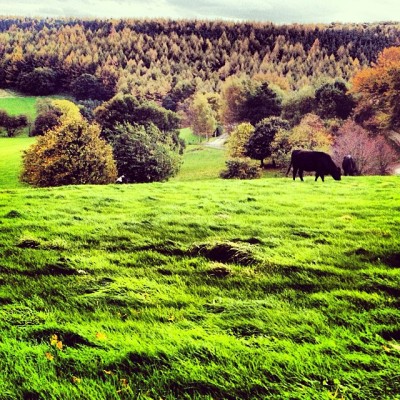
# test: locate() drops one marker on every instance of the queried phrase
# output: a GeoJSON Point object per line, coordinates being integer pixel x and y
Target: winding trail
{"type": "Point", "coordinates": [218, 142]}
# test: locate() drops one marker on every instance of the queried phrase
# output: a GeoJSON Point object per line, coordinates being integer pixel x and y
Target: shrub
{"type": "Point", "coordinates": [144, 153]}
{"type": "Point", "coordinates": [12, 124]}
{"type": "Point", "coordinates": [71, 153]}
{"type": "Point", "coordinates": [240, 169]}
{"type": "Point", "coordinates": [45, 121]}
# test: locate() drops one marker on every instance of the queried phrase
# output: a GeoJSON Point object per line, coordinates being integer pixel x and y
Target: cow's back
{"type": "Point", "coordinates": [310, 160]}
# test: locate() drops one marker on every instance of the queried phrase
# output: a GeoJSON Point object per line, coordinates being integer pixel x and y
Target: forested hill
{"type": "Point", "coordinates": [154, 58]}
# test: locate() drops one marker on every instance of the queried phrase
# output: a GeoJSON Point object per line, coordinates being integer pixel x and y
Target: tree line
{"type": "Point", "coordinates": [167, 60]}
{"type": "Point", "coordinates": [293, 85]}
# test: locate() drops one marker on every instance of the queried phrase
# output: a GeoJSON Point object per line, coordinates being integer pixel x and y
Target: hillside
{"type": "Point", "coordinates": [156, 58]}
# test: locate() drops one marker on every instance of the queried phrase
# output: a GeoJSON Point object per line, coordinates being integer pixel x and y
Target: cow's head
{"type": "Point", "coordinates": [337, 174]}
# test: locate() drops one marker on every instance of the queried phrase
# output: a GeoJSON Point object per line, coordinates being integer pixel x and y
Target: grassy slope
{"type": "Point", "coordinates": [19, 105]}
{"type": "Point", "coordinates": [10, 160]}
{"type": "Point", "coordinates": [226, 289]}
{"type": "Point", "coordinates": [199, 287]}
{"type": "Point", "coordinates": [16, 105]}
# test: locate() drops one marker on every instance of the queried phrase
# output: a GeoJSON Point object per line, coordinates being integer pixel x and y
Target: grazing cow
{"type": "Point", "coordinates": [349, 166]}
{"type": "Point", "coordinates": [321, 163]}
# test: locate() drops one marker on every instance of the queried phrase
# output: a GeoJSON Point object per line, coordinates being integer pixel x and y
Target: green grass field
{"type": "Point", "coordinates": [199, 288]}
{"type": "Point", "coordinates": [202, 289]}
{"type": "Point", "coordinates": [10, 160]}
{"type": "Point", "coordinates": [14, 104]}
{"type": "Point", "coordinates": [19, 105]}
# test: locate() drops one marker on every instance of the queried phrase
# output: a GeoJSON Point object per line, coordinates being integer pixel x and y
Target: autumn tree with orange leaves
{"type": "Point", "coordinates": [378, 92]}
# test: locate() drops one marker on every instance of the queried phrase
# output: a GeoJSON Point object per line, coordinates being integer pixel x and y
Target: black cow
{"type": "Point", "coordinates": [318, 161]}
{"type": "Point", "coordinates": [349, 166]}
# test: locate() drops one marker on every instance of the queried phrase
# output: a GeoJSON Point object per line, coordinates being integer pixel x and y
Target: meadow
{"type": "Point", "coordinates": [201, 289]}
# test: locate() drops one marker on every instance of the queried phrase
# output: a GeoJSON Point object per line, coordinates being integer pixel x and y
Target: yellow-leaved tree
{"type": "Point", "coordinates": [238, 139]}
{"type": "Point", "coordinates": [71, 153]}
{"type": "Point", "coordinates": [309, 134]}
{"type": "Point", "coordinates": [377, 92]}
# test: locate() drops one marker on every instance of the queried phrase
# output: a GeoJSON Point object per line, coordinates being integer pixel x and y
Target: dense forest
{"type": "Point", "coordinates": [156, 58]}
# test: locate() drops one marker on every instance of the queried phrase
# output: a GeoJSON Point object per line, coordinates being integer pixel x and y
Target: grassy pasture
{"type": "Point", "coordinates": [19, 105]}
{"type": "Point", "coordinates": [15, 104]}
{"type": "Point", "coordinates": [10, 160]}
{"type": "Point", "coordinates": [203, 289]}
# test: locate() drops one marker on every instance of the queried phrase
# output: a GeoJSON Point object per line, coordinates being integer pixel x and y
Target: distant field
{"type": "Point", "coordinates": [19, 105]}
{"type": "Point", "coordinates": [199, 162]}
{"type": "Point", "coordinates": [16, 104]}
{"type": "Point", "coordinates": [10, 160]}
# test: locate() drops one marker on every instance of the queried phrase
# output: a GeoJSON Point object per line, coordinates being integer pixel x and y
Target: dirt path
{"type": "Point", "coordinates": [217, 143]}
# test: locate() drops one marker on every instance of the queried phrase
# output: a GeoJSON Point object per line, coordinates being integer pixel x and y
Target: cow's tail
{"type": "Point", "coordinates": [290, 166]}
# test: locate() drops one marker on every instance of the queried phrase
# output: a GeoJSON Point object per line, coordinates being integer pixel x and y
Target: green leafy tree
{"type": "Point", "coordinates": [41, 81]}
{"type": "Point", "coordinates": [45, 121]}
{"type": "Point", "coordinates": [144, 153]}
{"type": "Point", "coordinates": [88, 86]}
{"type": "Point", "coordinates": [297, 104]}
{"type": "Point", "coordinates": [332, 101]}
{"type": "Point", "coordinates": [203, 118]}
{"type": "Point", "coordinates": [238, 139]}
{"type": "Point", "coordinates": [281, 147]}
{"type": "Point", "coordinates": [258, 146]}
{"type": "Point", "coordinates": [12, 123]}
{"type": "Point", "coordinates": [126, 109]}
{"type": "Point", "coordinates": [261, 102]}
{"type": "Point", "coordinates": [71, 153]}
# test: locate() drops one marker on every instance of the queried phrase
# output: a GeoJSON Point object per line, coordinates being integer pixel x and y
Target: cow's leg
{"type": "Point", "coordinates": [316, 176]}
{"type": "Point", "coordinates": [301, 174]}
{"type": "Point", "coordinates": [322, 177]}
{"type": "Point", "coordinates": [294, 172]}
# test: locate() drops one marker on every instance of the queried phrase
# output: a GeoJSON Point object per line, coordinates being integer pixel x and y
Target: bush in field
{"type": "Point", "coordinates": [372, 154]}
{"type": "Point", "coordinates": [240, 169]}
{"type": "Point", "coordinates": [71, 153]}
{"type": "Point", "coordinates": [144, 153]}
{"type": "Point", "coordinates": [12, 124]}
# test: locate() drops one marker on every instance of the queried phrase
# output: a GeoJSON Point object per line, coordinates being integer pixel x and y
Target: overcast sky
{"type": "Point", "coordinates": [277, 11]}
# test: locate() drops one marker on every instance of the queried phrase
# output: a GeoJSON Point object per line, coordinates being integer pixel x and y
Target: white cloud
{"type": "Point", "coordinates": [266, 10]}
